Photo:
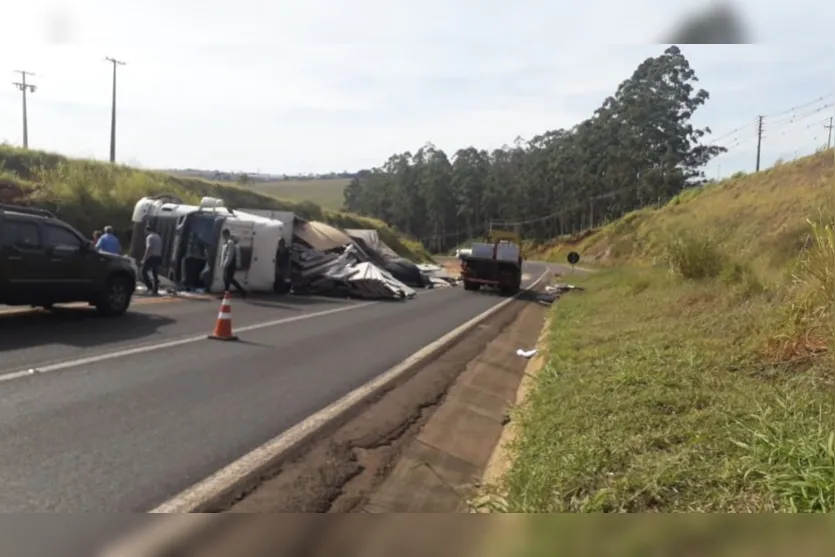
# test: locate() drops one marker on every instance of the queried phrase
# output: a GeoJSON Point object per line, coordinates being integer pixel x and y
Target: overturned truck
{"type": "Point", "coordinates": [280, 251]}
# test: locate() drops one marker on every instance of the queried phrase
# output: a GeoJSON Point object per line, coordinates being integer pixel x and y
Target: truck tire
{"type": "Point", "coordinates": [509, 289]}
{"type": "Point", "coordinates": [115, 297]}
{"type": "Point", "coordinates": [473, 286]}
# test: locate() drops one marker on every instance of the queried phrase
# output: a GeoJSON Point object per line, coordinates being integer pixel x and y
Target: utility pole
{"type": "Point", "coordinates": [24, 88]}
{"type": "Point", "coordinates": [759, 140]}
{"type": "Point", "coordinates": [829, 136]}
{"type": "Point", "coordinates": [113, 110]}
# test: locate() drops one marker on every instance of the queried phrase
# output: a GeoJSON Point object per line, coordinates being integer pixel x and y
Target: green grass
{"type": "Point", "coordinates": [661, 395]}
{"type": "Point", "coordinates": [697, 371]}
{"type": "Point", "coordinates": [762, 218]}
{"type": "Point", "coordinates": [90, 195]}
{"type": "Point", "coordinates": [326, 192]}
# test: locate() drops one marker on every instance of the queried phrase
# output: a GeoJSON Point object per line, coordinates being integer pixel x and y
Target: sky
{"type": "Point", "coordinates": [276, 86]}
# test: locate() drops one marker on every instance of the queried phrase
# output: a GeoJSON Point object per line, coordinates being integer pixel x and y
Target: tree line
{"type": "Point", "coordinates": [638, 148]}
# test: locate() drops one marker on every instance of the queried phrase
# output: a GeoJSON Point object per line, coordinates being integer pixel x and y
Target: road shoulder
{"type": "Point", "coordinates": [433, 434]}
{"type": "Point", "coordinates": [439, 470]}
{"type": "Point", "coordinates": [501, 459]}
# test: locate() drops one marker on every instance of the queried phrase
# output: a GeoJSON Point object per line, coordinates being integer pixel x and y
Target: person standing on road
{"type": "Point", "coordinates": [230, 258]}
{"type": "Point", "coordinates": [282, 265]}
{"type": "Point", "coordinates": [108, 242]}
{"type": "Point", "coordinates": [152, 260]}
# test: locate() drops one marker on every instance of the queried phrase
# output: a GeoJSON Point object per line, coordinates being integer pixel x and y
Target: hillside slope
{"type": "Point", "coordinates": [760, 218]}
{"type": "Point", "coordinates": [696, 370]}
{"type": "Point", "coordinates": [91, 194]}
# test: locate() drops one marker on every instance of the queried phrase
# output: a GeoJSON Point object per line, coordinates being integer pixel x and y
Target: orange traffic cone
{"type": "Point", "coordinates": [223, 326]}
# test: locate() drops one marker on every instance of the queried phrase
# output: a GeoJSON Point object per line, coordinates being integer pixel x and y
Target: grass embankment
{"type": "Point", "coordinates": [328, 193]}
{"type": "Point", "coordinates": [760, 218]}
{"type": "Point", "coordinates": [90, 194]}
{"type": "Point", "coordinates": [699, 375]}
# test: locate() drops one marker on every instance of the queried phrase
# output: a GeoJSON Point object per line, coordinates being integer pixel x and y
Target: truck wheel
{"type": "Point", "coordinates": [114, 298]}
{"type": "Point", "coordinates": [474, 286]}
{"type": "Point", "coordinates": [509, 290]}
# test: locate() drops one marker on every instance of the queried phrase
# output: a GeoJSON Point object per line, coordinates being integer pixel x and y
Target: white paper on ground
{"type": "Point", "coordinates": [526, 353]}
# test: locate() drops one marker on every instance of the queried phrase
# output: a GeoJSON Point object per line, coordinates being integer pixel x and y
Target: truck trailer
{"type": "Point", "coordinates": [496, 265]}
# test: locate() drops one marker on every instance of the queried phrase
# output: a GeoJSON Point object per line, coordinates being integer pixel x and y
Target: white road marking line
{"type": "Point", "coordinates": [170, 344]}
{"type": "Point", "coordinates": [224, 479]}
{"type": "Point", "coordinates": [49, 368]}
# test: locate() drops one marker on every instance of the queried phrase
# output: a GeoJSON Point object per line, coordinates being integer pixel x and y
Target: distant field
{"type": "Point", "coordinates": [325, 192]}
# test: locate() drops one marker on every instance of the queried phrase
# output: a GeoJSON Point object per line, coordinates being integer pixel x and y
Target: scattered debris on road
{"type": "Point", "coordinates": [552, 293]}
{"type": "Point", "coordinates": [345, 274]}
{"type": "Point", "coordinates": [527, 354]}
{"type": "Point", "coordinates": [439, 276]}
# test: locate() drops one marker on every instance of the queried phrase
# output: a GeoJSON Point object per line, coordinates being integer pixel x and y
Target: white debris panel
{"type": "Point", "coordinates": [438, 276]}
{"type": "Point", "coordinates": [344, 274]}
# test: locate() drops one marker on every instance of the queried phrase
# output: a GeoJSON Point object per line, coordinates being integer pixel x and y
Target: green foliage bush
{"type": "Point", "coordinates": [694, 256]}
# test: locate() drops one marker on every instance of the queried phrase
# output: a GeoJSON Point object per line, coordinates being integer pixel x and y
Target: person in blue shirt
{"type": "Point", "coordinates": [108, 242]}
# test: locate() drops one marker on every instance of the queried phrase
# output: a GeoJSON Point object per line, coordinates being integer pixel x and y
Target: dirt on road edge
{"type": "Point", "coordinates": [344, 472]}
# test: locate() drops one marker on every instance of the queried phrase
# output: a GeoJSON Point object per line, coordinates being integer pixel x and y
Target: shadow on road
{"type": "Point", "coordinates": [524, 295]}
{"type": "Point", "coordinates": [80, 327]}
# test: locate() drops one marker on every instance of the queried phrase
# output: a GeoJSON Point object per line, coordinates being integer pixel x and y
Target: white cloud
{"type": "Point", "coordinates": [322, 85]}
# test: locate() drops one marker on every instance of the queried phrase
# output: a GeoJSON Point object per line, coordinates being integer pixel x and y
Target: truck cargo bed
{"type": "Point", "coordinates": [504, 275]}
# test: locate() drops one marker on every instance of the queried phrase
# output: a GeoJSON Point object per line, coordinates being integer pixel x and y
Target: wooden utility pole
{"type": "Point", "coordinates": [759, 140]}
{"type": "Point", "coordinates": [829, 135]}
{"type": "Point", "coordinates": [113, 110]}
{"type": "Point", "coordinates": [25, 88]}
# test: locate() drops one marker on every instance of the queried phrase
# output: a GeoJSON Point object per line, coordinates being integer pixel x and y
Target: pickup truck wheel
{"type": "Point", "coordinates": [115, 297]}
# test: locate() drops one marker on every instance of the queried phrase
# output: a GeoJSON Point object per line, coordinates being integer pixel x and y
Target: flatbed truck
{"type": "Point", "coordinates": [496, 265]}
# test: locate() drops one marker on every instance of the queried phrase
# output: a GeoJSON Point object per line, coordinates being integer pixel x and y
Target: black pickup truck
{"type": "Point", "coordinates": [45, 261]}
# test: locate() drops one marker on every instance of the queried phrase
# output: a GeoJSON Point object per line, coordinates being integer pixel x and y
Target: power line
{"type": "Point", "coordinates": [804, 105]}
{"type": "Point", "coordinates": [113, 109]}
{"type": "Point", "coordinates": [798, 117]}
{"type": "Point", "coordinates": [719, 138]}
{"type": "Point", "coordinates": [766, 125]}
{"type": "Point", "coordinates": [767, 118]}
{"type": "Point", "coordinates": [25, 88]}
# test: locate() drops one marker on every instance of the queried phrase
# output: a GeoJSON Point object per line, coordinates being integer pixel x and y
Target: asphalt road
{"type": "Point", "coordinates": [125, 433]}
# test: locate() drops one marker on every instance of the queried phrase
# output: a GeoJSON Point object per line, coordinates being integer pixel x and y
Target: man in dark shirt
{"type": "Point", "coordinates": [282, 268]}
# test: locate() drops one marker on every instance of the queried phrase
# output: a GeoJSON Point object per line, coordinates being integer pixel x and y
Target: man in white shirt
{"type": "Point", "coordinates": [230, 257]}
{"type": "Point", "coordinates": [152, 260]}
